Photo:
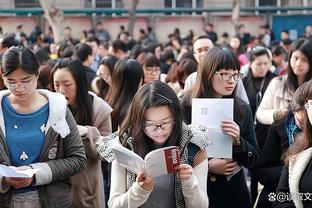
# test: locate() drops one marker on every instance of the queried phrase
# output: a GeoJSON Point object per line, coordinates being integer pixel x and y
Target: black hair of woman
{"type": "Point", "coordinates": [303, 45]}
{"type": "Point", "coordinates": [19, 57]}
{"type": "Point", "coordinates": [84, 104]}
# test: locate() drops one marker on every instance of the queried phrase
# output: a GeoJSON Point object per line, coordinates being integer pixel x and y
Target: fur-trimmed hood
{"type": "Point", "coordinates": [297, 165]}
{"type": "Point", "coordinates": [57, 112]}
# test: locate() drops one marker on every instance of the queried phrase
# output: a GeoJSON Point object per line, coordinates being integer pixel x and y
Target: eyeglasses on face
{"type": "Point", "coordinates": [228, 76]}
{"type": "Point", "coordinates": [154, 127]}
{"type": "Point", "coordinates": [24, 85]}
{"type": "Point", "coordinates": [155, 69]}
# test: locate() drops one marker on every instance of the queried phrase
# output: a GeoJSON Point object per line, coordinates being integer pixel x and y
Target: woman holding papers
{"type": "Point", "coordinates": [217, 78]}
{"type": "Point", "coordinates": [92, 115]}
{"type": "Point", "coordinates": [294, 188]}
{"type": "Point", "coordinates": [277, 97]}
{"type": "Point", "coordinates": [37, 132]}
{"type": "Point", "coordinates": [154, 121]}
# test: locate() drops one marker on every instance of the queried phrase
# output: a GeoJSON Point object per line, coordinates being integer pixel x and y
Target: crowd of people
{"type": "Point", "coordinates": [63, 105]}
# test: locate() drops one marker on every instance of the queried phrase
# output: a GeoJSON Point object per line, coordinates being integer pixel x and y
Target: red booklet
{"type": "Point", "coordinates": [157, 162]}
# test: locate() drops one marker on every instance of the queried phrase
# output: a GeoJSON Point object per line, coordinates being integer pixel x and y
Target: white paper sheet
{"type": "Point", "coordinates": [210, 112]}
{"type": "Point", "coordinates": [10, 171]}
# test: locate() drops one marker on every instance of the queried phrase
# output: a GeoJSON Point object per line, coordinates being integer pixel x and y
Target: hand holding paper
{"type": "Point", "coordinates": [232, 129]}
{"type": "Point", "coordinates": [17, 172]}
{"type": "Point", "coordinates": [18, 177]}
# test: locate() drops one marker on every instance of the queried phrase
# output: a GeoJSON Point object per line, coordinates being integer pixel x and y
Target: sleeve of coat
{"type": "Point", "coordinates": [194, 189]}
{"type": "Point", "coordinates": [248, 153]}
{"type": "Point", "coordinates": [102, 127]}
{"type": "Point", "coordinates": [103, 120]}
{"type": "Point", "coordinates": [266, 108]}
{"type": "Point", "coordinates": [270, 165]}
{"type": "Point", "coordinates": [119, 195]}
{"type": "Point", "coordinates": [73, 162]}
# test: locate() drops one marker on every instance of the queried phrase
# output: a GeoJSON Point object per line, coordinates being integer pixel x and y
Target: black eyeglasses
{"type": "Point", "coordinates": [228, 76]}
{"type": "Point", "coordinates": [164, 126]}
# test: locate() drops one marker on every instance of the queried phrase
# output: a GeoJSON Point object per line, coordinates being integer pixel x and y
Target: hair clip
{"type": "Point", "coordinates": [164, 98]}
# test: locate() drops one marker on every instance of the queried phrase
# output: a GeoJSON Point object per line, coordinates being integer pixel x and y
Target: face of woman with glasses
{"type": "Point", "coordinates": [104, 73]}
{"type": "Point", "coordinates": [224, 82]}
{"type": "Point", "coordinates": [151, 73]}
{"type": "Point", "coordinates": [260, 66]}
{"type": "Point", "coordinates": [20, 83]}
{"type": "Point", "coordinates": [158, 123]}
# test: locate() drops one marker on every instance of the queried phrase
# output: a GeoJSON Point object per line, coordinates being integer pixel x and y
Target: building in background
{"type": "Point", "coordinates": [163, 21]}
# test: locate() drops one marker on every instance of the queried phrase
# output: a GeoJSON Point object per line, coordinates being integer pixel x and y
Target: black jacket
{"type": "Point", "coordinates": [252, 86]}
{"type": "Point", "coordinates": [271, 165]}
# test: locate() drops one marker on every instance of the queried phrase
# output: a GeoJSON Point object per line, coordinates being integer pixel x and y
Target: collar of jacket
{"type": "Point", "coordinates": [296, 167]}
{"type": "Point", "coordinates": [57, 112]}
{"type": "Point", "coordinates": [279, 87]}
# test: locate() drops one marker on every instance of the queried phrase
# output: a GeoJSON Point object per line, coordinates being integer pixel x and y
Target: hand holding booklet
{"type": "Point", "coordinates": [10, 171]}
{"type": "Point", "coordinates": [157, 162]}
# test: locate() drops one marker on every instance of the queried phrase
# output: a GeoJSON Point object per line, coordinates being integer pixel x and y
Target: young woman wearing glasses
{"type": "Point", "coordinates": [217, 78]}
{"type": "Point", "coordinates": [39, 132]}
{"type": "Point", "coordinates": [101, 84]}
{"type": "Point", "coordinates": [154, 121]}
{"type": "Point", "coordinates": [151, 68]}
{"type": "Point", "coordinates": [276, 100]}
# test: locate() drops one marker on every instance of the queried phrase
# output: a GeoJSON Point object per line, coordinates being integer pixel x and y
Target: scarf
{"type": "Point", "coordinates": [292, 129]}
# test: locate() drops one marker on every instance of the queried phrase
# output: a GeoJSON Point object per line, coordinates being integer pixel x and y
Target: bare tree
{"type": "Point", "coordinates": [235, 14]}
{"type": "Point", "coordinates": [132, 16]}
{"type": "Point", "coordinates": [55, 17]}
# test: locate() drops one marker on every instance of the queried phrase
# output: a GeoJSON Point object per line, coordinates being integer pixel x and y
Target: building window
{"type": "Point", "coordinates": [103, 4]}
{"type": "Point", "coordinates": [26, 3]}
{"type": "Point", "coordinates": [98, 4]}
{"type": "Point", "coordinates": [267, 2]}
{"type": "Point", "coordinates": [183, 3]}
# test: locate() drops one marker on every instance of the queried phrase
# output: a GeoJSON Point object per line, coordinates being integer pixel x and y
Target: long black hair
{"type": "Point", "coordinates": [127, 75]}
{"type": "Point", "coordinates": [83, 111]}
{"type": "Point", "coordinates": [303, 45]}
